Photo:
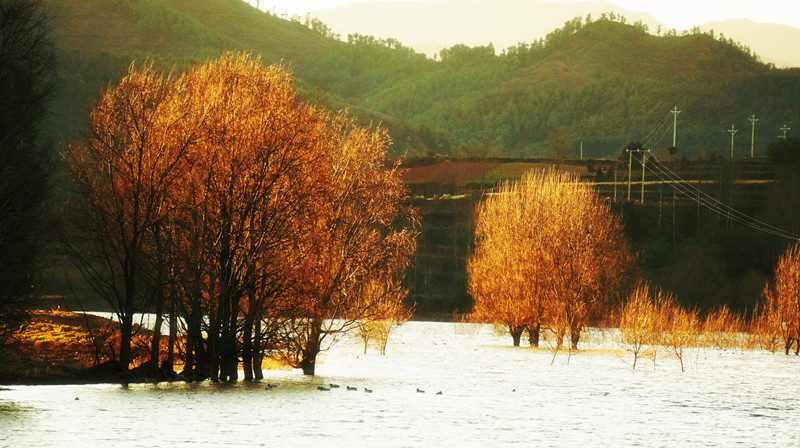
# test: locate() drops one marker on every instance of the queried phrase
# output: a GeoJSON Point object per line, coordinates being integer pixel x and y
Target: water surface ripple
{"type": "Point", "coordinates": [491, 395]}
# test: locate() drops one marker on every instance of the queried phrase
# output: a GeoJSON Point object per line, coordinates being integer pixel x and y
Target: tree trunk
{"type": "Point", "coordinates": [575, 336]}
{"type": "Point", "coordinates": [516, 334]}
{"type": "Point", "coordinates": [560, 337]}
{"type": "Point", "coordinates": [311, 350]}
{"type": "Point", "coordinates": [213, 349]}
{"type": "Point", "coordinates": [247, 347]}
{"type": "Point", "coordinates": [258, 355]}
{"type": "Point", "coordinates": [155, 345]}
{"type": "Point", "coordinates": [232, 352]}
{"type": "Point", "coordinates": [126, 335]}
{"type": "Point", "coordinates": [190, 356]}
{"type": "Point", "coordinates": [533, 334]}
{"type": "Point", "coordinates": [169, 363]}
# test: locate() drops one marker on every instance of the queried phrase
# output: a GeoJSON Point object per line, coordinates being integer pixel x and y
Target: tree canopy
{"type": "Point", "coordinates": [548, 253]}
{"type": "Point", "coordinates": [221, 196]}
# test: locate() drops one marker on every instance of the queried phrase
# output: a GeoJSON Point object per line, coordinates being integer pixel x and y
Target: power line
{"type": "Point", "coordinates": [663, 124]}
{"type": "Point", "coordinates": [713, 204]}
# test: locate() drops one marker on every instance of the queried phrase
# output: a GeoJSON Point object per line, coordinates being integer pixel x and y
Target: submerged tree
{"type": "Point", "coordinates": [26, 63]}
{"type": "Point", "coordinates": [500, 272]}
{"type": "Point", "coordinates": [393, 312]}
{"type": "Point", "coordinates": [636, 321]}
{"type": "Point", "coordinates": [554, 255]}
{"type": "Point", "coordinates": [250, 184]}
{"type": "Point", "coordinates": [125, 170]}
{"type": "Point", "coordinates": [361, 229]}
{"type": "Point", "coordinates": [257, 220]}
{"type": "Point", "coordinates": [781, 306]}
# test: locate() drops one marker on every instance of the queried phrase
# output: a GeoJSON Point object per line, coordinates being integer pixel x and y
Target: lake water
{"type": "Point", "coordinates": [491, 395]}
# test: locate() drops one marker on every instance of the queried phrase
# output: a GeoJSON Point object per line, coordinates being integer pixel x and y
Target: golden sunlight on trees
{"type": "Point", "coordinates": [548, 254]}
{"type": "Point", "coordinates": [683, 330]}
{"type": "Point", "coordinates": [251, 178]}
{"type": "Point", "coordinates": [651, 320]}
{"type": "Point", "coordinates": [134, 150]}
{"type": "Point", "coordinates": [780, 311]}
{"type": "Point", "coordinates": [362, 231]}
{"type": "Point", "coordinates": [636, 321]}
{"type": "Point", "coordinates": [390, 313]}
{"type": "Point", "coordinates": [219, 200]}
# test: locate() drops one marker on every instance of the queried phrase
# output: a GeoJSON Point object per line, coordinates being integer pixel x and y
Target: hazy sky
{"type": "Point", "coordinates": [679, 14]}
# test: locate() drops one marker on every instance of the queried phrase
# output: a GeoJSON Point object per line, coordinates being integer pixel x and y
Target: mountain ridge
{"type": "Point", "coordinates": [431, 26]}
{"type": "Point", "coordinates": [603, 81]}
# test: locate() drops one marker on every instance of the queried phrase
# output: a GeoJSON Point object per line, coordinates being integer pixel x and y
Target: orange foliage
{"type": "Point", "coordinates": [780, 311]}
{"type": "Point", "coordinates": [548, 251]}
{"type": "Point", "coordinates": [246, 205]}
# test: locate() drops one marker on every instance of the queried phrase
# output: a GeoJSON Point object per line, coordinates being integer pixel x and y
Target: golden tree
{"type": "Point", "coordinates": [683, 330]}
{"type": "Point", "coordinates": [781, 306]}
{"type": "Point", "coordinates": [652, 319]}
{"type": "Point", "coordinates": [548, 252]}
{"type": "Point", "coordinates": [257, 219]}
{"type": "Point", "coordinates": [390, 312]}
{"type": "Point", "coordinates": [722, 328]}
{"type": "Point", "coordinates": [359, 229]}
{"type": "Point", "coordinates": [132, 155]}
{"type": "Point", "coordinates": [250, 180]}
{"type": "Point", "coordinates": [636, 324]}
{"type": "Point", "coordinates": [499, 276]}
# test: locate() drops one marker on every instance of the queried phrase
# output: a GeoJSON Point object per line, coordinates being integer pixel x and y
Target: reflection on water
{"type": "Point", "coordinates": [491, 395]}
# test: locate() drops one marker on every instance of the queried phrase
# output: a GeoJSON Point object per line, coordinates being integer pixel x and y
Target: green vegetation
{"type": "Point", "coordinates": [604, 82]}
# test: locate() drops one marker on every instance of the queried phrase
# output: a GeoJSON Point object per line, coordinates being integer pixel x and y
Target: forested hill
{"type": "Point", "coordinates": [603, 81]}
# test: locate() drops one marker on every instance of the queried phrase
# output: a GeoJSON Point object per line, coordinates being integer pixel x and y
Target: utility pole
{"type": "Point", "coordinates": [630, 165]}
{"type": "Point", "coordinates": [675, 113]}
{"type": "Point", "coordinates": [581, 149]}
{"type": "Point", "coordinates": [753, 120]}
{"type": "Point", "coordinates": [733, 132]}
{"type": "Point", "coordinates": [785, 129]}
{"type": "Point", "coordinates": [644, 161]}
